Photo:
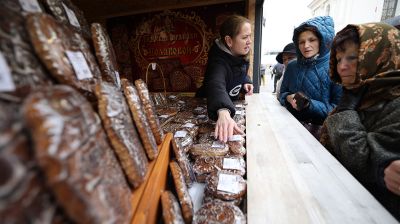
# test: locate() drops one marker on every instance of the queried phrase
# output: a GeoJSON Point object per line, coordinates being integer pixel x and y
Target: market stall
{"type": "Point", "coordinates": [99, 125]}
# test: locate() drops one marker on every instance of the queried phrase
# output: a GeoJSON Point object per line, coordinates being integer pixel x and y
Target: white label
{"type": "Point", "coordinates": [30, 5]}
{"type": "Point", "coordinates": [180, 134]}
{"type": "Point", "coordinates": [198, 108]}
{"type": "Point", "coordinates": [181, 102]}
{"type": "Point", "coordinates": [6, 81]}
{"type": "Point", "coordinates": [153, 66]}
{"type": "Point", "coordinates": [228, 183]}
{"type": "Point", "coordinates": [218, 144]}
{"type": "Point", "coordinates": [235, 138]}
{"type": "Point", "coordinates": [118, 79]}
{"type": "Point", "coordinates": [231, 163]}
{"type": "Point", "coordinates": [172, 97]}
{"type": "Point", "coordinates": [71, 16]}
{"type": "Point", "coordinates": [164, 116]}
{"type": "Point", "coordinates": [239, 105]}
{"type": "Point", "coordinates": [188, 125]}
{"type": "Point", "coordinates": [79, 64]}
{"type": "Point", "coordinates": [238, 112]}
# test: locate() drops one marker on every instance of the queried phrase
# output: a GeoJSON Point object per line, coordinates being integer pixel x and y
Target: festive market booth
{"type": "Point", "coordinates": [98, 124]}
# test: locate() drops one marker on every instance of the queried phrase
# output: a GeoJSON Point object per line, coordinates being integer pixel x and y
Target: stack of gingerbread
{"type": "Point", "coordinates": [200, 158]}
{"type": "Point", "coordinates": [75, 140]}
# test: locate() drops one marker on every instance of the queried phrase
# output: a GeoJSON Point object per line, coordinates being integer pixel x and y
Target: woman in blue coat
{"type": "Point", "coordinates": [307, 91]}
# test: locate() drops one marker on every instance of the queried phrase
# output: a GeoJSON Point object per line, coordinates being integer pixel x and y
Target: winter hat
{"type": "Point", "coordinates": [289, 48]}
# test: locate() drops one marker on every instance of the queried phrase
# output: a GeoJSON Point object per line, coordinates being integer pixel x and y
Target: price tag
{"type": "Point", "coordinates": [172, 97]}
{"type": "Point", "coordinates": [181, 102]}
{"type": "Point", "coordinates": [30, 5]}
{"type": "Point", "coordinates": [232, 164]}
{"type": "Point", "coordinates": [235, 138]}
{"type": "Point", "coordinates": [239, 105]}
{"type": "Point", "coordinates": [180, 134]}
{"type": "Point", "coordinates": [6, 81]}
{"type": "Point", "coordinates": [188, 125]}
{"type": "Point", "coordinates": [153, 66]}
{"type": "Point", "coordinates": [228, 183]}
{"type": "Point", "coordinates": [164, 116]}
{"type": "Point", "coordinates": [71, 16]}
{"type": "Point", "coordinates": [79, 64]}
{"type": "Point", "coordinates": [238, 112]}
{"type": "Point", "coordinates": [218, 144]}
{"type": "Point", "coordinates": [118, 79]}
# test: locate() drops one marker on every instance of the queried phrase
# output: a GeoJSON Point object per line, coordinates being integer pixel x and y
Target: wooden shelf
{"type": "Point", "coordinates": [146, 198]}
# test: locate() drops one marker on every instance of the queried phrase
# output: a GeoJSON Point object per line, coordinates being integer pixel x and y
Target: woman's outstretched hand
{"type": "Point", "coordinates": [248, 88]}
{"type": "Point", "coordinates": [226, 126]}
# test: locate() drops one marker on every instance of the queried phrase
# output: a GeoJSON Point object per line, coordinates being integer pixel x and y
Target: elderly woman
{"type": "Point", "coordinates": [306, 91]}
{"type": "Point", "coordinates": [363, 131]}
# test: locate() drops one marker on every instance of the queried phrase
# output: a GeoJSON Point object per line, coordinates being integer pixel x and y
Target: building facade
{"type": "Point", "coordinates": [355, 11]}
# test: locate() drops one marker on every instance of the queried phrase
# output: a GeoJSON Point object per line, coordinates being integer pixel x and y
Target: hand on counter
{"type": "Point", "coordinates": [290, 99]}
{"type": "Point", "coordinates": [226, 126]}
{"type": "Point", "coordinates": [298, 101]}
{"type": "Point", "coordinates": [392, 177]}
{"type": "Point", "coordinates": [248, 88]}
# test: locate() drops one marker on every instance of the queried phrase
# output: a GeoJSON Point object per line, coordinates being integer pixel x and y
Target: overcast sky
{"type": "Point", "coordinates": [282, 16]}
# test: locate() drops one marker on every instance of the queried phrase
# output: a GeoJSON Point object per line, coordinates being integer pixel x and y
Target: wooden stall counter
{"type": "Point", "coordinates": [146, 198]}
{"type": "Point", "coordinates": [292, 178]}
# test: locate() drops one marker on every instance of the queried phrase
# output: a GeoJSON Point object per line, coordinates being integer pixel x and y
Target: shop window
{"type": "Point", "coordinates": [389, 9]}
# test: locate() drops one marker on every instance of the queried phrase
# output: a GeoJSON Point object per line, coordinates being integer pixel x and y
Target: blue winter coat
{"type": "Point", "coordinates": [311, 76]}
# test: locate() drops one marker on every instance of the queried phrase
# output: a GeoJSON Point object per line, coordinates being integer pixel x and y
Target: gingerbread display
{"type": "Point", "coordinates": [219, 212]}
{"type": "Point", "coordinates": [149, 110]}
{"type": "Point", "coordinates": [183, 194]}
{"type": "Point", "coordinates": [105, 54]}
{"type": "Point", "coordinates": [122, 133]}
{"type": "Point", "coordinates": [142, 124]}
{"type": "Point", "coordinates": [64, 53]}
{"type": "Point", "coordinates": [171, 211]}
{"type": "Point", "coordinates": [72, 150]}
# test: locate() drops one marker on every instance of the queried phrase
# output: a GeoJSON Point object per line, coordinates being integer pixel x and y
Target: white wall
{"type": "Point", "coordinates": [397, 13]}
{"type": "Point", "coordinates": [346, 12]}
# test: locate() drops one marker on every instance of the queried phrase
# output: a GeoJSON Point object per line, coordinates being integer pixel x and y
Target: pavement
{"type": "Point", "coordinates": [269, 84]}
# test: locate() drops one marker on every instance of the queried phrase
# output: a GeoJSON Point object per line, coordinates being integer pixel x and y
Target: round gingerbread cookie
{"type": "Point", "coordinates": [219, 212]}
{"type": "Point", "coordinates": [225, 185]}
{"type": "Point", "coordinates": [216, 148]}
{"type": "Point", "coordinates": [204, 165]}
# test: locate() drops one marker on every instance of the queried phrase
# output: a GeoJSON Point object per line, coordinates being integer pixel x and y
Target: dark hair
{"type": "Point", "coordinates": [231, 27]}
{"type": "Point", "coordinates": [348, 34]}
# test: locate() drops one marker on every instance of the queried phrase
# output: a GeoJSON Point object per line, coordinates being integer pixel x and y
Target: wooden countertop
{"type": "Point", "coordinates": [293, 179]}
